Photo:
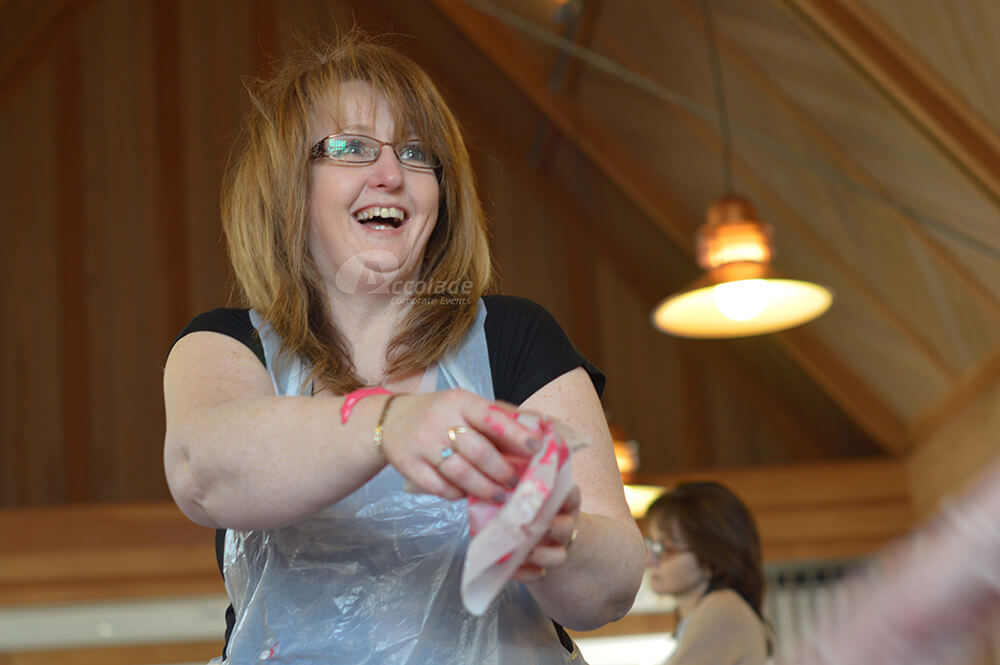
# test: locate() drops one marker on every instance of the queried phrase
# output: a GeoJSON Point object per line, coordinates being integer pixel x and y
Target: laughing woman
{"type": "Point", "coordinates": [368, 357]}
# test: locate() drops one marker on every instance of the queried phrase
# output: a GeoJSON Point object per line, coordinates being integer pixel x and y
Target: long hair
{"type": "Point", "coordinates": [265, 207]}
{"type": "Point", "coordinates": [720, 532]}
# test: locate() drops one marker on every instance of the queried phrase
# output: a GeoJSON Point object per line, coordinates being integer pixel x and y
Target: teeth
{"type": "Point", "coordinates": [384, 213]}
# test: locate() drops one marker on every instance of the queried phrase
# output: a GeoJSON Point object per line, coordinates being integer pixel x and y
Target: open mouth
{"type": "Point", "coordinates": [381, 219]}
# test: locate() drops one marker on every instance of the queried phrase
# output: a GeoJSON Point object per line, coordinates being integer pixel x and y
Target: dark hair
{"type": "Point", "coordinates": [721, 533]}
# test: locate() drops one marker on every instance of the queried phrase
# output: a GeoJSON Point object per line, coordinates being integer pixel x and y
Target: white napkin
{"type": "Point", "coordinates": [504, 534]}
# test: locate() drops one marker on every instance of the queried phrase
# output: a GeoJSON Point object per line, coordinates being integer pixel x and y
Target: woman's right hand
{"type": "Point", "coordinates": [416, 432]}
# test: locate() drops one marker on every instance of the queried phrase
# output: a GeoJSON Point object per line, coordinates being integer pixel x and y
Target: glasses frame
{"type": "Point", "coordinates": [661, 551]}
{"type": "Point", "coordinates": [318, 151]}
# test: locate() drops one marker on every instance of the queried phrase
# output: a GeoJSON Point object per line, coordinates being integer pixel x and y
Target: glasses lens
{"type": "Point", "coordinates": [350, 148]}
{"type": "Point", "coordinates": [416, 154]}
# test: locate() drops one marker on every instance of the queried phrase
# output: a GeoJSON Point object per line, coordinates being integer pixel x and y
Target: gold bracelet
{"type": "Point", "coordinates": [379, 429]}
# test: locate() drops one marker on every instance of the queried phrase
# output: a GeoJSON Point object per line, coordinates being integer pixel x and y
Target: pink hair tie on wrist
{"type": "Point", "coordinates": [352, 398]}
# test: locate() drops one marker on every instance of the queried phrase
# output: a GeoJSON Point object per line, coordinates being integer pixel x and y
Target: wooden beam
{"type": "Point", "coordinates": [527, 70]}
{"type": "Point", "coordinates": [938, 415]}
{"type": "Point", "coordinates": [647, 192]}
{"type": "Point", "coordinates": [848, 389]}
{"type": "Point", "coordinates": [910, 84]}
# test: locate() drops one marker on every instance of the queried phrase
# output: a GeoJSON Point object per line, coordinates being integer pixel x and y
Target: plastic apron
{"type": "Point", "coordinates": [374, 579]}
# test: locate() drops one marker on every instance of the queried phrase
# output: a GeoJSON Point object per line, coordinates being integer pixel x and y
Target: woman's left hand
{"type": "Point", "coordinates": [553, 549]}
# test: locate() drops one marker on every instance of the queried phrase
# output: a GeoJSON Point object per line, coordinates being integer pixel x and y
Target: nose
{"type": "Point", "coordinates": [386, 171]}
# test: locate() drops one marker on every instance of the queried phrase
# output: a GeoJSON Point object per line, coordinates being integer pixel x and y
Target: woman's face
{"type": "Point", "coordinates": [353, 245]}
{"type": "Point", "coordinates": [675, 570]}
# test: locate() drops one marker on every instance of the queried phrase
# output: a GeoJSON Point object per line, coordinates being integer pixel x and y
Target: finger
{"type": "Point", "coordinates": [560, 531]}
{"type": "Point", "coordinates": [460, 473]}
{"type": "Point", "coordinates": [480, 453]}
{"type": "Point", "coordinates": [498, 424]}
{"type": "Point", "coordinates": [571, 506]}
{"type": "Point", "coordinates": [428, 480]}
{"type": "Point", "coordinates": [546, 556]}
{"type": "Point", "coordinates": [529, 573]}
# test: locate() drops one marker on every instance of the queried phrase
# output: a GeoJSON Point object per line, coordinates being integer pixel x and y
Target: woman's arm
{"type": "Point", "coordinates": [238, 456]}
{"type": "Point", "coordinates": [594, 580]}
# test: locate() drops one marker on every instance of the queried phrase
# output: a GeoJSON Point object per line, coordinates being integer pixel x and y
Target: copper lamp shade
{"type": "Point", "coordinates": [740, 294]}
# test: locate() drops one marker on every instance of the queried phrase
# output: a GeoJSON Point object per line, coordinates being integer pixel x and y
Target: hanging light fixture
{"type": "Point", "coordinates": [741, 293]}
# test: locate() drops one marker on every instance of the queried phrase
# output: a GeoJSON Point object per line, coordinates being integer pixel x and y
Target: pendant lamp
{"type": "Point", "coordinates": [741, 294]}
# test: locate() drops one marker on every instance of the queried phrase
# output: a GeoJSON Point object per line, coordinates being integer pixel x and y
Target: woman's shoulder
{"type": "Point", "coordinates": [230, 321]}
{"type": "Point", "coordinates": [726, 605]}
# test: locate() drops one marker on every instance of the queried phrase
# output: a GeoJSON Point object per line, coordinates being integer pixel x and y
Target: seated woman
{"type": "Point", "coordinates": [705, 552]}
{"type": "Point", "coordinates": [333, 428]}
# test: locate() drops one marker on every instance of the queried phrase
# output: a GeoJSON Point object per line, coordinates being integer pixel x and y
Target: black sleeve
{"type": "Point", "coordinates": [234, 323]}
{"type": "Point", "coordinates": [528, 348]}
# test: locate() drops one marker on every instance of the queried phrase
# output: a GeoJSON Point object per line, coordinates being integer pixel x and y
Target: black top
{"type": "Point", "coordinates": [526, 346]}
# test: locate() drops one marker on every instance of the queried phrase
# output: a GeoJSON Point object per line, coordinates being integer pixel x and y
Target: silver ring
{"type": "Point", "coordinates": [445, 454]}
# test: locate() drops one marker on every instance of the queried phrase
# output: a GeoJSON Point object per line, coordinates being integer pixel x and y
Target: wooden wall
{"type": "Point", "coordinates": [116, 118]}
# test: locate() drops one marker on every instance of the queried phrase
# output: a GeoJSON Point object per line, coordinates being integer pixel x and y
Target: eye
{"type": "Point", "coordinates": [414, 152]}
{"type": "Point", "coordinates": [349, 148]}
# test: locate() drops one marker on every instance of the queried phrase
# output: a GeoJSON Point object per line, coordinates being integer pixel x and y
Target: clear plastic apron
{"type": "Point", "coordinates": [374, 578]}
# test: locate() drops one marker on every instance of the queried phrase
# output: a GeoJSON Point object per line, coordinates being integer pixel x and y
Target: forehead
{"type": "Point", "coordinates": [354, 106]}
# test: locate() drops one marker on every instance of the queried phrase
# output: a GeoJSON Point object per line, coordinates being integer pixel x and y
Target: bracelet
{"type": "Point", "coordinates": [352, 398]}
{"type": "Point", "coordinates": [379, 430]}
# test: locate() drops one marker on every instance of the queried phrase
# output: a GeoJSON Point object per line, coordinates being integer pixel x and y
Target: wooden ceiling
{"type": "Point", "coordinates": [866, 133]}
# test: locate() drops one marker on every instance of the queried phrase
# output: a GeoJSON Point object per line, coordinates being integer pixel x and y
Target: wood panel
{"type": "Point", "coordinates": [144, 654]}
{"type": "Point", "coordinates": [31, 285]}
{"type": "Point", "coordinates": [817, 511]}
{"type": "Point", "coordinates": [956, 451]}
{"type": "Point", "coordinates": [102, 551]}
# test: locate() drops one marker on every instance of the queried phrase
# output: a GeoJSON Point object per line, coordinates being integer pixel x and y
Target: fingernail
{"type": "Point", "coordinates": [533, 444]}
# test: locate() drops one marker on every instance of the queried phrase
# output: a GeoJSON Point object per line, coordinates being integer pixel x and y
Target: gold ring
{"type": "Point", "coordinates": [572, 537]}
{"type": "Point", "coordinates": [453, 432]}
{"type": "Point", "coordinates": [542, 572]}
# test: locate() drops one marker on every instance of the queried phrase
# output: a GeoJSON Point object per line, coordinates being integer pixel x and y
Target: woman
{"type": "Point", "coordinates": [705, 552]}
{"type": "Point", "coordinates": [360, 248]}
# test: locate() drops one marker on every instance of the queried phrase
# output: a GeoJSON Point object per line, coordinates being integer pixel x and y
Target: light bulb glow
{"type": "Point", "coordinates": [743, 300]}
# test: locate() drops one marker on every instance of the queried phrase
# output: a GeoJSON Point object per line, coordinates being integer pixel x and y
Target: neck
{"type": "Point", "coordinates": [687, 600]}
{"type": "Point", "coordinates": [368, 322]}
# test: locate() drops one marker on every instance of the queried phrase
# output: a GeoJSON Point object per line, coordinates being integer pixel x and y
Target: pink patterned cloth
{"type": "Point", "coordinates": [504, 534]}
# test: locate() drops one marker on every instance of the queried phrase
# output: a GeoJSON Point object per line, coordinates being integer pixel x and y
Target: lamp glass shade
{"type": "Point", "coordinates": [755, 306]}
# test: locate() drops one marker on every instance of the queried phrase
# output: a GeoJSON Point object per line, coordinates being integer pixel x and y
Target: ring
{"type": "Point", "coordinates": [542, 572]}
{"type": "Point", "coordinates": [445, 454]}
{"type": "Point", "coordinates": [572, 537]}
{"type": "Point", "coordinates": [453, 432]}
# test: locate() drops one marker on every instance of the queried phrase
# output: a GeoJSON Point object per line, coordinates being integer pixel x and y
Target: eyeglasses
{"type": "Point", "coordinates": [359, 150]}
{"type": "Point", "coordinates": [664, 550]}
